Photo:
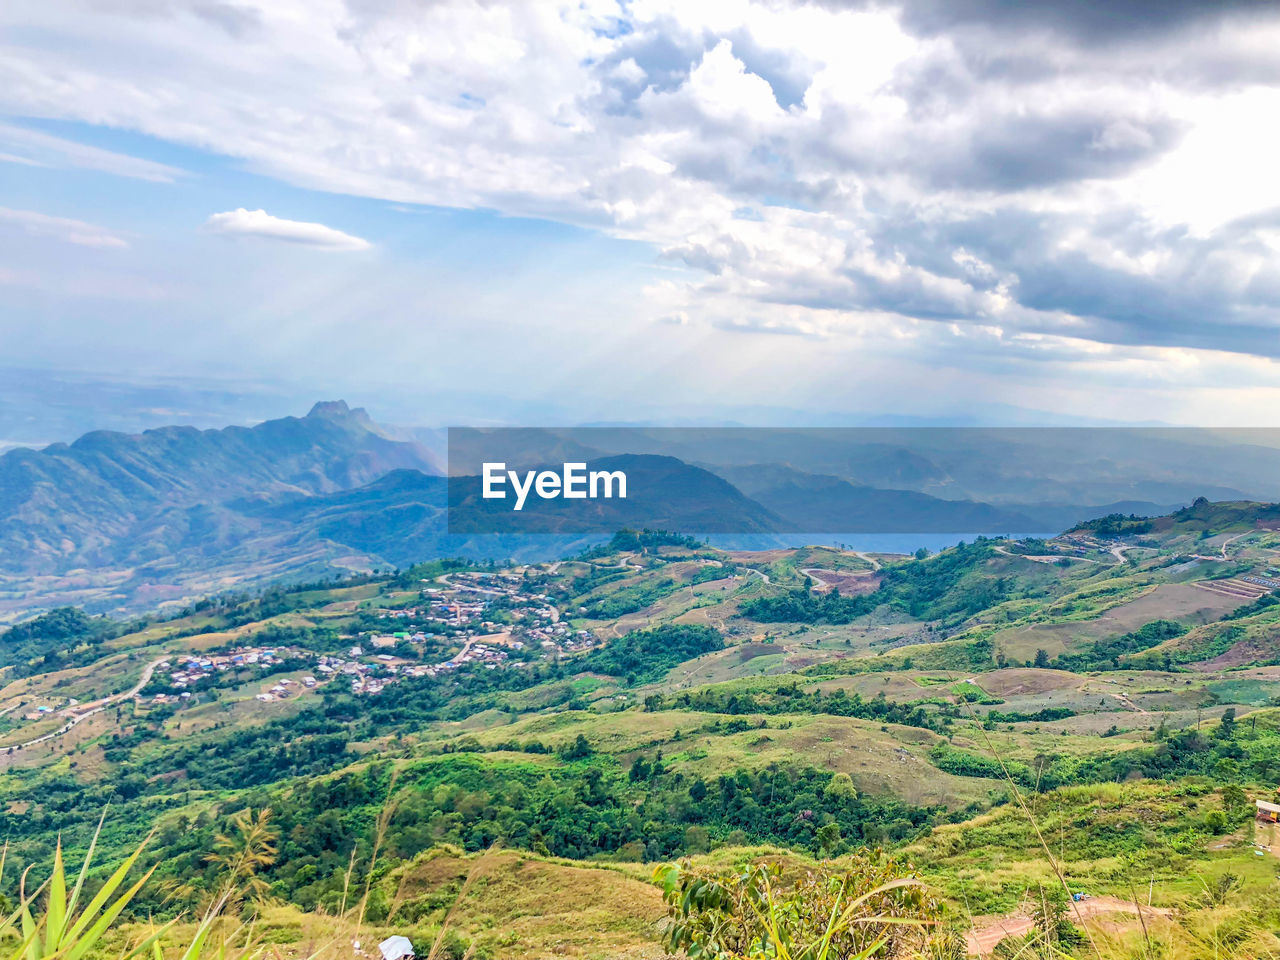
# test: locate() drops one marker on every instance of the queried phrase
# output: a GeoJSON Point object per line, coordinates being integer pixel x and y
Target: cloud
{"type": "Point", "coordinates": [82, 234]}
{"type": "Point", "coordinates": [784, 326]}
{"type": "Point", "coordinates": [34, 148]}
{"type": "Point", "coordinates": [1094, 21]}
{"type": "Point", "coordinates": [1040, 169]}
{"type": "Point", "coordinates": [259, 223]}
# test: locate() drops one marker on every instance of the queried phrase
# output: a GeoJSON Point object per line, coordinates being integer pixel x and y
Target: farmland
{"type": "Point", "coordinates": [558, 726]}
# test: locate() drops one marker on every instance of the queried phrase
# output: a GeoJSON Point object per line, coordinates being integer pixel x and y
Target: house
{"type": "Point", "coordinates": [1269, 812]}
{"type": "Point", "coordinates": [396, 948]}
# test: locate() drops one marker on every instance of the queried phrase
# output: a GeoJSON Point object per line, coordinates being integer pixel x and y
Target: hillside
{"type": "Point", "coordinates": [528, 740]}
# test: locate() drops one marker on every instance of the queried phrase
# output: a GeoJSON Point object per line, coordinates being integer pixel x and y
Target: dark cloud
{"type": "Point", "coordinates": [1015, 153]}
{"type": "Point", "coordinates": [1086, 21]}
{"type": "Point", "coordinates": [981, 146]}
{"type": "Point", "coordinates": [1193, 297]}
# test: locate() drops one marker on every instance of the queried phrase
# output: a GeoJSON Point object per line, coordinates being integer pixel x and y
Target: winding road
{"type": "Point", "coordinates": [85, 711]}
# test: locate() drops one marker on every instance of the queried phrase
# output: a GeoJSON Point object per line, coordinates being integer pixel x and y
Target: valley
{"type": "Point", "coordinates": [1103, 706]}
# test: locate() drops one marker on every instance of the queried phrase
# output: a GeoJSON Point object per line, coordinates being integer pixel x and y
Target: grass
{"type": "Point", "coordinates": [1107, 838]}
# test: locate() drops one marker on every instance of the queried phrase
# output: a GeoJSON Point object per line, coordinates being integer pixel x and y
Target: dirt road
{"type": "Point", "coordinates": [989, 931]}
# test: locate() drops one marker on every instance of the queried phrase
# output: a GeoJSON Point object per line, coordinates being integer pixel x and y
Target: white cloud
{"type": "Point", "coordinates": [34, 148]}
{"type": "Point", "coordinates": [259, 223]}
{"type": "Point", "coordinates": [819, 169]}
{"type": "Point", "coordinates": [82, 234]}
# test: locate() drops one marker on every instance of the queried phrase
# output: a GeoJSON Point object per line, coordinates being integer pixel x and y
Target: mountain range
{"type": "Point", "coordinates": [123, 522]}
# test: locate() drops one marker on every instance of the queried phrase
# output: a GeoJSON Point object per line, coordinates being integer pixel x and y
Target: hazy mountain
{"type": "Point", "coordinates": [663, 493]}
{"type": "Point", "coordinates": [112, 499]}
{"type": "Point", "coordinates": [123, 521]}
{"type": "Point", "coordinates": [822, 504]}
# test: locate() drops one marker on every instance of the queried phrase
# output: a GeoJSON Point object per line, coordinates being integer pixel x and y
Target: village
{"type": "Point", "coordinates": [475, 619]}
{"type": "Point", "coordinates": [488, 616]}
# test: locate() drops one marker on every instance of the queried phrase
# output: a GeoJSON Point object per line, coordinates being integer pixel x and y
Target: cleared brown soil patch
{"type": "Point", "coordinates": [1184, 602]}
{"type": "Point", "coordinates": [848, 583]}
{"type": "Point", "coordinates": [759, 556]}
{"type": "Point", "coordinates": [1018, 681]}
{"type": "Point", "coordinates": [1246, 651]}
{"type": "Point", "coordinates": [1172, 601]}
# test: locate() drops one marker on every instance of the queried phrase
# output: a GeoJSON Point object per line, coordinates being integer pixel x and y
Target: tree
{"type": "Point", "coordinates": [1235, 802]}
{"type": "Point", "coordinates": [697, 839]}
{"type": "Point", "coordinates": [578, 750]}
{"type": "Point", "coordinates": [841, 787]}
{"type": "Point", "coordinates": [1042, 659]}
{"type": "Point", "coordinates": [1227, 726]}
{"type": "Point", "coordinates": [830, 843]}
{"type": "Point", "coordinates": [1227, 769]}
{"type": "Point", "coordinates": [1049, 915]}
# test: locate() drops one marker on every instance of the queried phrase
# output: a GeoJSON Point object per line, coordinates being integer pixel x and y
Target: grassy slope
{"type": "Point", "coordinates": [1107, 836]}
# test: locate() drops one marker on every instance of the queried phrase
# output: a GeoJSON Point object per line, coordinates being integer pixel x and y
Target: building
{"type": "Point", "coordinates": [1269, 812]}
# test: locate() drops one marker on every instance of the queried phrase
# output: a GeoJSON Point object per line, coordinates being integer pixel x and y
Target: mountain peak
{"type": "Point", "coordinates": [337, 411]}
{"type": "Point", "coordinates": [330, 410]}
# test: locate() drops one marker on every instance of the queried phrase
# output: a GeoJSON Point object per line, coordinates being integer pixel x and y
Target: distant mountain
{"type": "Point", "coordinates": [1008, 467]}
{"type": "Point", "coordinates": [812, 503]}
{"type": "Point", "coordinates": [663, 493]}
{"type": "Point", "coordinates": [400, 517]}
{"type": "Point", "coordinates": [134, 510]}
{"type": "Point", "coordinates": [120, 521]}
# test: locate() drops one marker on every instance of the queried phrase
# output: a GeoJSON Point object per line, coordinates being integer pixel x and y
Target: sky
{"type": "Point", "coordinates": [654, 210]}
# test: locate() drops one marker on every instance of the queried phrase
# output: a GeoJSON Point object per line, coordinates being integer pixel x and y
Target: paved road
{"type": "Point", "coordinates": [84, 711]}
{"type": "Point", "coordinates": [1046, 557]}
{"type": "Point", "coordinates": [1222, 551]}
{"type": "Point", "coordinates": [812, 574]}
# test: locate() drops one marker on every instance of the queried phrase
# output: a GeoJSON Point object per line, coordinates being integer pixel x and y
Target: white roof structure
{"type": "Point", "coordinates": [396, 948]}
{"type": "Point", "coordinates": [1268, 807]}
